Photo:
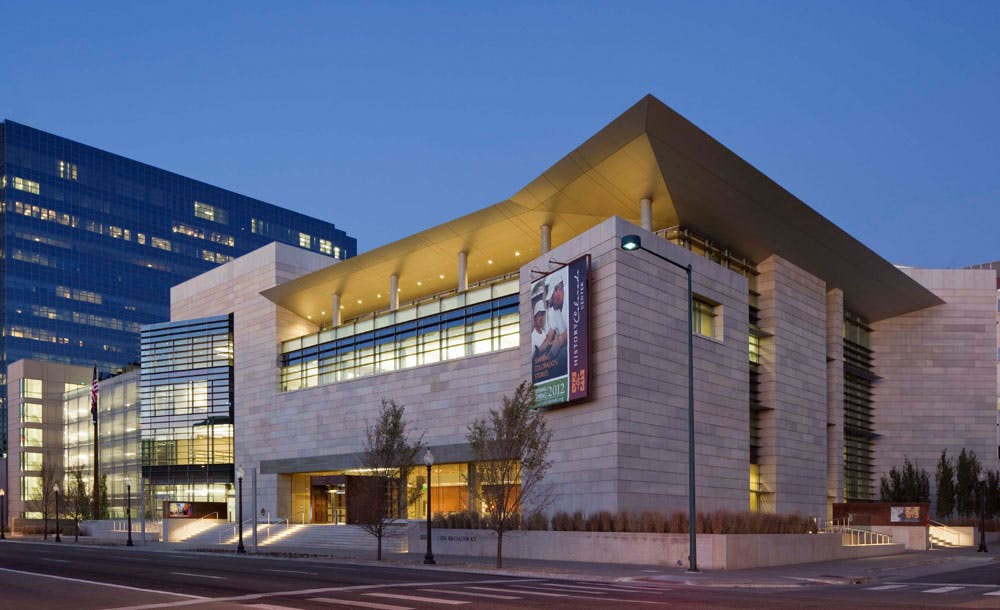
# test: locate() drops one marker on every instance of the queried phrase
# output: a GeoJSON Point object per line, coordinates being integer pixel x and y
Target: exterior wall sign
{"type": "Point", "coordinates": [560, 334]}
{"type": "Point", "coordinates": [905, 514]}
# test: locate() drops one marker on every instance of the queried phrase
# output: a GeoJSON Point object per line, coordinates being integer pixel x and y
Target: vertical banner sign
{"type": "Point", "coordinates": [560, 334]}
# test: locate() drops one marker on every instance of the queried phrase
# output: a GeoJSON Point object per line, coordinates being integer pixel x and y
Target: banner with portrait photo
{"type": "Point", "coordinates": [560, 334]}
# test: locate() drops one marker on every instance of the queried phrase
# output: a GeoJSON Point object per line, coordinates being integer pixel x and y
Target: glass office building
{"type": "Point", "coordinates": [92, 242]}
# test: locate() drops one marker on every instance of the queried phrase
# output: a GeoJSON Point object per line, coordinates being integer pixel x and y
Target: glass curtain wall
{"type": "Point", "coordinates": [187, 411]}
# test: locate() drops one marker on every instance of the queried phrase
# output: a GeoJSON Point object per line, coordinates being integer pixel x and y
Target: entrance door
{"type": "Point", "coordinates": [320, 504]}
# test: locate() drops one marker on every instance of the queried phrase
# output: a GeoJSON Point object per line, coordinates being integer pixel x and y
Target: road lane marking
{"type": "Point", "coordinates": [417, 598]}
{"type": "Point", "coordinates": [104, 584]}
{"type": "Point", "coordinates": [942, 590]}
{"type": "Point", "coordinates": [271, 607]}
{"type": "Point", "coordinates": [55, 560]}
{"type": "Point", "coordinates": [199, 575]}
{"type": "Point", "coordinates": [993, 592]}
{"type": "Point", "coordinates": [885, 588]}
{"type": "Point", "coordinates": [292, 572]}
{"type": "Point", "coordinates": [473, 593]}
{"type": "Point", "coordinates": [356, 604]}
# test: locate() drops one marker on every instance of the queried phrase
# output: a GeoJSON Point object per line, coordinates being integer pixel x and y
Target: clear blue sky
{"type": "Point", "coordinates": [387, 118]}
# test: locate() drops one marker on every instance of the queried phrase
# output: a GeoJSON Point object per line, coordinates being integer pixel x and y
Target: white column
{"type": "Point", "coordinates": [335, 313]}
{"type": "Point", "coordinates": [646, 213]}
{"type": "Point", "coordinates": [393, 292]}
{"type": "Point", "coordinates": [546, 238]}
{"type": "Point", "coordinates": [463, 271]}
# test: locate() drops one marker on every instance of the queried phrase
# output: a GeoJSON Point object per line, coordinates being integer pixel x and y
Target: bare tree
{"type": "Point", "coordinates": [511, 448]}
{"type": "Point", "coordinates": [78, 500]}
{"type": "Point", "coordinates": [382, 494]}
{"type": "Point", "coordinates": [43, 500]}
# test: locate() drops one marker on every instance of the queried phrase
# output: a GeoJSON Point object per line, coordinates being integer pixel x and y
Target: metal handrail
{"type": "Point", "coordinates": [856, 536]}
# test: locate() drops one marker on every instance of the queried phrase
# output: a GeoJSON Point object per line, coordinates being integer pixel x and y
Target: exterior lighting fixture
{"type": "Point", "coordinates": [632, 243]}
{"type": "Point", "coordinates": [239, 479]}
{"type": "Point", "coordinates": [55, 488]}
{"type": "Point", "coordinates": [128, 509]}
{"type": "Point", "coordinates": [429, 461]}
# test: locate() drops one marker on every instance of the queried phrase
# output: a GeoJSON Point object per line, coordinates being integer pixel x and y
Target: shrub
{"type": "Point", "coordinates": [578, 522]}
{"type": "Point", "coordinates": [562, 522]}
{"type": "Point", "coordinates": [535, 521]}
{"type": "Point", "coordinates": [652, 522]}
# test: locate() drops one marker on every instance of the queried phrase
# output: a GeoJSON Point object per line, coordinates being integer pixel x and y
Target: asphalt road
{"type": "Point", "coordinates": [50, 576]}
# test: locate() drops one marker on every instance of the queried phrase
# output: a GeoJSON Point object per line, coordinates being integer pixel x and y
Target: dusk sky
{"type": "Point", "coordinates": [388, 118]}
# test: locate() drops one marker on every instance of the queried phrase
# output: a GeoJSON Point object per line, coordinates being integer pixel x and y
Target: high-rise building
{"type": "Point", "coordinates": [92, 242]}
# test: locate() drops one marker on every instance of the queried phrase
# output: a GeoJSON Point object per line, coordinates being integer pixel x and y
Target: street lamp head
{"type": "Point", "coordinates": [429, 458]}
{"type": "Point", "coordinates": [3, 492]}
{"type": "Point", "coordinates": [128, 482]}
{"type": "Point", "coordinates": [55, 488]}
{"type": "Point", "coordinates": [631, 242]}
{"type": "Point", "coordinates": [239, 472]}
{"type": "Point", "coordinates": [982, 476]}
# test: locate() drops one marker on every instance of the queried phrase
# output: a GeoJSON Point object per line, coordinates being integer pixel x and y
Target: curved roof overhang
{"type": "Point", "coordinates": [649, 151]}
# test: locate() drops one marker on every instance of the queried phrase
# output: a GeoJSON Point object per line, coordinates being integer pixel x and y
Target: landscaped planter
{"type": "Point", "coordinates": [715, 551]}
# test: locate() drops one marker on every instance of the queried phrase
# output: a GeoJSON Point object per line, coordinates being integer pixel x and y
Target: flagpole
{"type": "Point", "coordinates": [97, 453]}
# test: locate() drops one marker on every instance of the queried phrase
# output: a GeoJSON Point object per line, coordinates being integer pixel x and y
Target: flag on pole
{"type": "Point", "coordinates": [93, 395]}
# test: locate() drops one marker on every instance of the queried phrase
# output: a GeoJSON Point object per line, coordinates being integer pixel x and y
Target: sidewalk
{"type": "Point", "coordinates": [912, 564]}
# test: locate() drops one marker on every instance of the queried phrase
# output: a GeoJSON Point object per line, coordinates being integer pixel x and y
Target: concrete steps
{"type": "Point", "coordinates": [307, 538]}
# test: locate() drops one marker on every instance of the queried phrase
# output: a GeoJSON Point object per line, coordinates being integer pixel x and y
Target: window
{"type": "Point", "coordinates": [23, 184]}
{"type": "Point", "coordinates": [183, 229]}
{"type": "Point", "coordinates": [706, 319]}
{"type": "Point", "coordinates": [31, 388]}
{"type": "Point", "coordinates": [31, 437]}
{"type": "Point", "coordinates": [31, 462]}
{"type": "Point", "coordinates": [31, 491]}
{"type": "Point", "coordinates": [31, 413]}
{"type": "Point", "coordinates": [67, 171]}
{"type": "Point", "coordinates": [754, 349]}
{"type": "Point", "coordinates": [305, 241]}
{"type": "Point", "coordinates": [326, 246]}
{"type": "Point", "coordinates": [210, 212]}
{"type": "Point", "coordinates": [162, 244]}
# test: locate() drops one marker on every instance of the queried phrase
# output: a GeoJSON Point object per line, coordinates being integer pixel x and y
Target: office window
{"type": "Point", "coordinates": [31, 437]}
{"type": "Point", "coordinates": [325, 246]}
{"type": "Point", "coordinates": [336, 252]}
{"type": "Point", "coordinates": [305, 240]}
{"type": "Point", "coordinates": [31, 462]}
{"type": "Point", "coordinates": [706, 320]}
{"type": "Point", "coordinates": [23, 184]}
{"type": "Point", "coordinates": [31, 388]}
{"type": "Point", "coordinates": [67, 171]}
{"type": "Point", "coordinates": [31, 491]}
{"type": "Point", "coordinates": [31, 413]}
{"type": "Point", "coordinates": [162, 244]}
{"type": "Point", "coordinates": [222, 238]}
{"type": "Point", "coordinates": [210, 212]}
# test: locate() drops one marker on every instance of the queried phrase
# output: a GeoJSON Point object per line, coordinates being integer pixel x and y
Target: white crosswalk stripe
{"type": "Point", "coordinates": [471, 593]}
{"type": "Point", "coordinates": [417, 598]}
{"type": "Point", "coordinates": [518, 590]}
{"type": "Point", "coordinates": [942, 590]}
{"type": "Point", "coordinates": [886, 588]}
{"type": "Point", "coordinates": [356, 604]}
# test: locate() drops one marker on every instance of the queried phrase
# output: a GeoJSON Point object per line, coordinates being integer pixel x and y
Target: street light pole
{"type": "Point", "coordinates": [982, 513]}
{"type": "Point", "coordinates": [239, 478]}
{"type": "Point", "coordinates": [128, 509]}
{"type": "Point", "coordinates": [55, 488]}
{"type": "Point", "coordinates": [429, 461]}
{"type": "Point", "coordinates": [3, 516]}
{"type": "Point", "coordinates": [631, 243]}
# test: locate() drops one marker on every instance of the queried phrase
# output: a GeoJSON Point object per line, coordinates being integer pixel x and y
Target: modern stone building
{"type": "Point", "coordinates": [818, 365]}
